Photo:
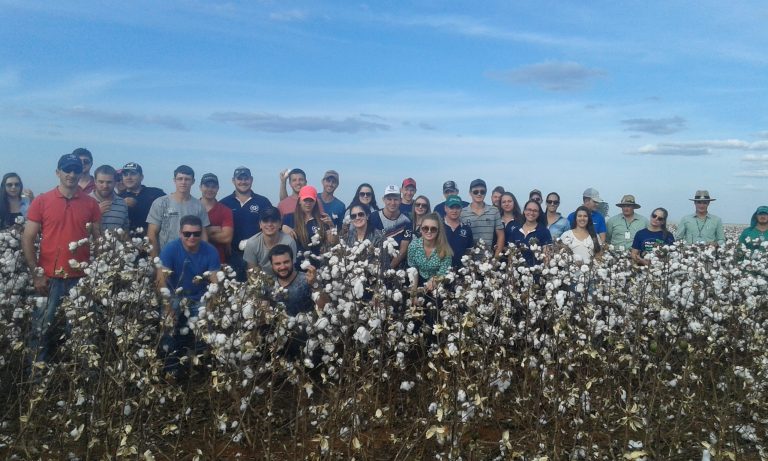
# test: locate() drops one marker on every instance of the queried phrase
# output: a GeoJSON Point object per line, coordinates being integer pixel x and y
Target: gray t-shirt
{"type": "Point", "coordinates": [166, 213]}
{"type": "Point", "coordinates": [257, 253]}
{"type": "Point", "coordinates": [297, 296]}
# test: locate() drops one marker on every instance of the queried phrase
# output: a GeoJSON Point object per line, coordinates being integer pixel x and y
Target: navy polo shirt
{"type": "Point", "coordinates": [460, 241]}
{"type": "Point", "coordinates": [513, 236]}
{"type": "Point", "coordinates": [137, 215]}
{"type": "Point", "coordinates": [247, 217]}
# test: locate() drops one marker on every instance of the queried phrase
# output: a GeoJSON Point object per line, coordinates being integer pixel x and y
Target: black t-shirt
{"type": "Point", "coordinates": [137, 214]}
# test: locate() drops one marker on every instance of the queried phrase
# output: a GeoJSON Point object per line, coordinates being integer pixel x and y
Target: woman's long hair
{"type": "Point", "coordinates": [368, 228]}
{"type": "Point", "coordinates": [517, 214]}
{"type": "Point", "coordinates": [300, 222]}
{"type": "Point", "coordinates": [413, 210]}
{"type": "Point", "coordinates": [541, 221]}
{"type": "Point", "coordinates": [441, 243]}
{"type": "Point", "coordinates": [664, 231]}
{"type": "Point", "coordinates": [590, 226]}
{"type": "Point", "coordinates": [5, 205]}
{"type": "Point", "coordinates": [356, 199]}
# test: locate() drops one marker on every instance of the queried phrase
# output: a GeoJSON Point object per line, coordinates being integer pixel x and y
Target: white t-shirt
{"type": "Point", "coordinates": [583, 250]}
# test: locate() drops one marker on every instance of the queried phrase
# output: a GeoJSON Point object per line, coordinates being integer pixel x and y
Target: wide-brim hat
{"type": "Point", "coordinates": [702, 196]}
{"type": "Point", "coordinates": [628, 200]}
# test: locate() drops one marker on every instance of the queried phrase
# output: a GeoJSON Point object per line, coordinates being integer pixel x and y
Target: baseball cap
{"type": "Point", "coordinates": [409, 182]}
{"type": "Point", "coordinates": [453, 200]}
{"type": "Point", "coordinates": [70, 161]}
{"type": "Point", "coordinates": [209, 178]}
{"type": "Point", "coordinates": [477, 183]}
{"type": "Point", "coordinates": [391, 190]}
{"type": "Point", "coordinates": [308, 192]}
{"type": "Point", "coordinates": [270, 214]}
{"type": "Point", "coordinates": [593, 194]}
{"type": "Point", "coordinates": [331, 174]}
{"type": "Point", "coordinates": [449, 185]}
{"type": "Point", "coordinates": [534, 192]}
{"type": "Point", "coordinates": [132, 166]}
{"type": "Point", "coordinates": [241, 171]}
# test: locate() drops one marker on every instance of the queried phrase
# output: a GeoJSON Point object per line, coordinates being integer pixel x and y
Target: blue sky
{"type": "Point", "coordinates": [657, 99]}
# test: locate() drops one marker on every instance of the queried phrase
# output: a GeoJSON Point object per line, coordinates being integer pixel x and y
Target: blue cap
{"type": "Point", "coordinates": [70, 161]}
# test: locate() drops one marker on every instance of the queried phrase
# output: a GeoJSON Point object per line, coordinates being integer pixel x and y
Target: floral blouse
{"type": "Point", "coordinates": [428, 267]}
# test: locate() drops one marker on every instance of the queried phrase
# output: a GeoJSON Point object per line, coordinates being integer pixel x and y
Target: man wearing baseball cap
{"type": "Point", "coordinates": [331, 205]}
{"type": "Point", "coordinates": [221, 229]}
{"type": "Point", "coordinates": [621, 228]}
{"type": "Point", "coordinates": [61, 216]}
{"type": "Point", "coordinates": [483, 219]}
{"type": "Point", "coordinates": [459, 235]}
{"type": "Point", "coordinates": [702, 226]}
{"type": "Point", "coordinates": [138, 197]}
{"type": "Point", "coordinates": [407, 192]}
{"type": "Point", "coordinates": [449, 188]}
{"type": "Point", "coordinates": [393, 223]}
{"type": "Point", "coordinates": [591, 199]}
{"type": "Point", "coordinates": [246, 206]}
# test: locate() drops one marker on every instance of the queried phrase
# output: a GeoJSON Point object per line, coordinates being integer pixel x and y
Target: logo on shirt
{"type": "Point", "coordinates": [254, 208]}
{"type": "Point", "coordinates": [463, 233]}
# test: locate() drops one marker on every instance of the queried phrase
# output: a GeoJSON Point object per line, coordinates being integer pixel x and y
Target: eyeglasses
{"type": "Point", "coordinates": [428, 229]}
{"type": "Point", "coordinates": [12, 184]}
{"type": "Point", "coordinates": [553, 202]}
{"type": "Point", "coordinates": [359, 215]}
{"type": "Point", "coordinates": [192, 234]}
{"type": "Point", "coordinates": [478, 192]}
{"type": "Point", "coordinates": [658, 218]}
{"type": "Point", "coordinates": [72, 169]}
{"type": "Point", "coordinates": [365, 194]}
{"type": "Point", "coordinates": [420, 205]}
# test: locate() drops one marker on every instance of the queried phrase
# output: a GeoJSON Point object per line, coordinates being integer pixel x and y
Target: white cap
{"type": "Point", "coordinates": [391, 189]}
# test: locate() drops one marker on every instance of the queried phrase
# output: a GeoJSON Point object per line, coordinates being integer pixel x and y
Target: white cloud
{"type": "Point", "coordinates": [702, 148]}
{"type": "Point", "coordinates": [762, 158]}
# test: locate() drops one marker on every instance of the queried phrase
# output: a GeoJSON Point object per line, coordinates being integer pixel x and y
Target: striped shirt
{"type": "Point", "coordinates": [483, 225]}
{"type": "Point", "coordinates": [117, 215]}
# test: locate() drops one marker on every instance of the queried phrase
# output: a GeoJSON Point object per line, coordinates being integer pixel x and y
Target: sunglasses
{"type": "Point", "coordinates": [365, 194]}
{"type": "Point", "coordinates": [420, 205]}
{"type": "Point", "coordinates": [659, 218]}
{"type": "Point", "coordinates": [192, 234]}
{"type": "Point", "coordinates": [478, 192]}
{"type": "Point", "coordinates": [553, 202]}
{"type": "Point", "coordinates": [360, 215]}
{"type": "Point", "coordinates": [428, 229]}
{"type": "Point", "coordinates": [12, 184]}
{"type": "Point", "coordinates": [536, 199]}
{"type": "Point", "coordinates": [72, 169]}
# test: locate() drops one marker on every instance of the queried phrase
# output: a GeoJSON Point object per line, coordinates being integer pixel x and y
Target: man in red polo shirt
{"type": "Point", "coordinates": [62, 217]}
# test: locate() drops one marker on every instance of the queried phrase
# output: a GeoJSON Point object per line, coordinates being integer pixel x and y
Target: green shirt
{"type": "Point", "coordinates": [621, 233]}
{"type": "Point", "coordinates": [753, 234]}
{"type": "Point", "coordinates": [695, 230]}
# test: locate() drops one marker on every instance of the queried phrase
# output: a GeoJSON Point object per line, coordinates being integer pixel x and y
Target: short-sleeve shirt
{"type": "Point", "coordinates": [335, 209]}
{"type": "Point", "coordinates": [257, 253]}
{"type": "Point", "coordinates": [406, 208]}
{"type": "Point", "coordinates": [399, 228]}
{"type": "Point", "coordinates": [484, 225]}
{"type": "Point", "coordinates": [166, 213]}
{"type": "Point", "coordinates": [220, 215]}
{"type": "Point", "coordinates": [621, 233]}
{"type": "Point", "coordinates": [597, 220]}
{"type": "Point", "coordinates": [646, 240]}
{"type": "Point", "coordinates": [185, 266]}
{"type": "Point", "coordinates": [583, 250]}
{"type": "Point", "coordinates": [62, 221]}
{"type": "Point", "coordinates": [513, 235]}
{"type": "Point", "coordinates": [695, 230]}
{"type": "Point", "coordinates": [247, 216]}
{"type": "Point", "coordinates": [460, 240]}
{"type": "Point", "coordinates": [117, 215]}
{"type": "Point", "coordinates": [137, 214]}
{"type": "Point", "coordinates": [428, 266]}
{"type": "Point", "coordinates": [297, 297]}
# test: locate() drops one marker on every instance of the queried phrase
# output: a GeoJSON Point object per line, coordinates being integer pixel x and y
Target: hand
{"type": "Point", "coordinates": [41, 284]}
{"type": "Point", "coordinates": [284, 174]}
{"type": "Point", "coordinates": [289, 230]}
{"type": "Point", "coordinates": [28, 193]}
{"type": "Point", "coordinates": [430, 285]}
{"type": "Point", "coordinates": [324, 217]}
{"type": "Point", "coordinates": [130, 202]}
{"type": "Point", "coordinates": [104, 206]}
{"type": "Point", "coordinates": [311, 274]}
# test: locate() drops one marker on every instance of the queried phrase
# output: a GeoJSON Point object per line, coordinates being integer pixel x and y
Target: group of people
{"type": "Point", "coordinates": [193, 236]}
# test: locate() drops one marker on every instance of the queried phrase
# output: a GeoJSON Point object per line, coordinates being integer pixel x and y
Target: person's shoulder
{"type": "Point", "coordinates": [152, 191]}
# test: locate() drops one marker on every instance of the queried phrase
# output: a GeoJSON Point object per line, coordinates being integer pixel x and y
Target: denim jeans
{"type": "Point", "coordinates": [40, 338]}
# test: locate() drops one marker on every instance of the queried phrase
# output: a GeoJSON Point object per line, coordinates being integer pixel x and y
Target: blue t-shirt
{"type": "Point", "coordinates": [460, 241]}
{"type": "Point", "coordinates": [247, 217]}
{"type": "Point", "coordinates": [597, 219]}
{"type": "Point", "coordinates": [514, 236]}
{"type": "Point", "coordinates": [186, 266]}
{"type": "Point", "coordinates": [646, 240]}
{"type": "Point", "coordinates": [335, 209]}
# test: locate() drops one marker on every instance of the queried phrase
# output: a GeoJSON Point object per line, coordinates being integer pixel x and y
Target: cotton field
{"type": "Point", "coordinates": [562, 361]}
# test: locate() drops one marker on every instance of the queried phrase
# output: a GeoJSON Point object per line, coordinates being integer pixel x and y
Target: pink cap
{"type": "Point", "coordinates": [308, 192]}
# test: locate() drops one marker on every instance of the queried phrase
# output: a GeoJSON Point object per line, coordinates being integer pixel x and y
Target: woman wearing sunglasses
{"type": "Point", "coordinates": [556, 223]}
{"type": "Point", "coordinates": [14, 199]}
{"type": "Point", "coordinates": [421, 207]}
{"type": "Point", "coordinates": [430, 254]}
{"type": "Point", "coordinates": [653, 236]}
{"type": "Point", "coordinates": [360, 229]}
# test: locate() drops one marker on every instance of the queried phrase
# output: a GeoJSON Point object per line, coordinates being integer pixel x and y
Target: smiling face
{"type": "Point", "coordinates": [243, 183]}
{"type": "Point", "coordinates": [658, 218]}
{"type": "Point", "coordinates": [430, 229]}
{"type": "Point", "coordinates": [282, 266]}
{"type": "Point", "coordinates": [69, 176]}
{"type": "Point", "coordinates": [13, 186]}
{"type": "Point", "coordinates": [478, 194]}
{"type": "Point", "coordinates": [531, 213]}
{"type": "Point", "coordinates": [420, 206]}
{"type": "Point", "coordinates": [392, 203]}
{"type": "Point", "coordinates": [408, 193]}
{"type": "Point", "coordinates": [358, 217]}
{"type": "Point", "coordinates": [365, 195]}
{"type": "Point", "coordinates": [191, 236]}
{"type": "Point", "coordinates": [307, 206]}
{"type": "Point", "coordinates": [330, 184]}
{"type": "Point", "coordinates": [553, 201]}
{"type": "Point", "coordinates": [209, 190]}
{"type": "Point", "coordinates": [453, 212]}
{"type": "Point", "coordinates": [582, 218]}
{"type": "Point", "coordinates": [132, 179]}
{"type": "Point", "coordinates": [269, 227]}
{"type": "Point", "coordinates": [297, 182]}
